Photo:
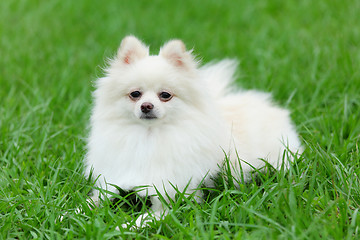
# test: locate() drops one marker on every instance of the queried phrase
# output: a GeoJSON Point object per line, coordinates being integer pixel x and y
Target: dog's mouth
{"type": "Point", "coordinates": [148, 116]}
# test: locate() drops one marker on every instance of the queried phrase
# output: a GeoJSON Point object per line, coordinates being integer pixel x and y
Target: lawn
{"type": "Point", "coordinates": [306, 53]}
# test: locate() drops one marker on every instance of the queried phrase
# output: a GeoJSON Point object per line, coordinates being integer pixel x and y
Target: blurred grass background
{"type": "Point", "coordinates": [305, 52]}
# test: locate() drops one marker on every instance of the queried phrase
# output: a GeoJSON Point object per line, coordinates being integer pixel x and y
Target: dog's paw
{"type": "Point", "coordinates": [141, 222]}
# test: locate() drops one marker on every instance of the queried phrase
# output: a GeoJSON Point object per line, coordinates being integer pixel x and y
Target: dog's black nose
{"type": "Point", "coordinates": [146, 107]}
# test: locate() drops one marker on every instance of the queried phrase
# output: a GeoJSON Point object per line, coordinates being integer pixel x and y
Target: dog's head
{"type": "Point", "coordinates": [150, 89]}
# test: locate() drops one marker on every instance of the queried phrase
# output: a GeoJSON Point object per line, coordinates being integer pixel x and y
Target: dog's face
{"type": "Point", "coordinates": [149, 95]}
{"type": "Point", "coordinates": [149, 103]}
{"type": "Point", "coordinates": [149, 89]}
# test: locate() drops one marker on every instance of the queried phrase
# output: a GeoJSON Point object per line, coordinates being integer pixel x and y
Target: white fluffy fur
{"type": "Point", "coordinates": [187, 140]}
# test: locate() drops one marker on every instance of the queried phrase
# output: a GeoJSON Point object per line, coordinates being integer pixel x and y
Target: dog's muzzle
{"type": "Point", "coordinates": [147, 111]}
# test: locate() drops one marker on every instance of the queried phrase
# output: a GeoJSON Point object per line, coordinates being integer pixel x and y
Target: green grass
{"type": "Point", "coordinates": [305, 52]}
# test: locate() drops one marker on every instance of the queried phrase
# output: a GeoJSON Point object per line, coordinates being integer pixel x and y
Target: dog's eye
{"type": "Point", "coordinates": [135, 95]}
{"type": "Point", "coordinates": [165, 96]}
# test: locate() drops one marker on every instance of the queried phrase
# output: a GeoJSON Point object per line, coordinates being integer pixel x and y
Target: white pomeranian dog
{"type": "Point", "coordinates": [164, 123]}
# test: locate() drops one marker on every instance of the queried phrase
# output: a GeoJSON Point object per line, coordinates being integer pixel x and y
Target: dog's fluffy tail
{"type": "Point", "coordinates": [219, 76]}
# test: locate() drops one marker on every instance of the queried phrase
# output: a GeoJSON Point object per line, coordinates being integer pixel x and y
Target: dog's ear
{"type": "Point", "coordinates": [175, 52]}
{"type": "Point", "coordinates": [131, 50]}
